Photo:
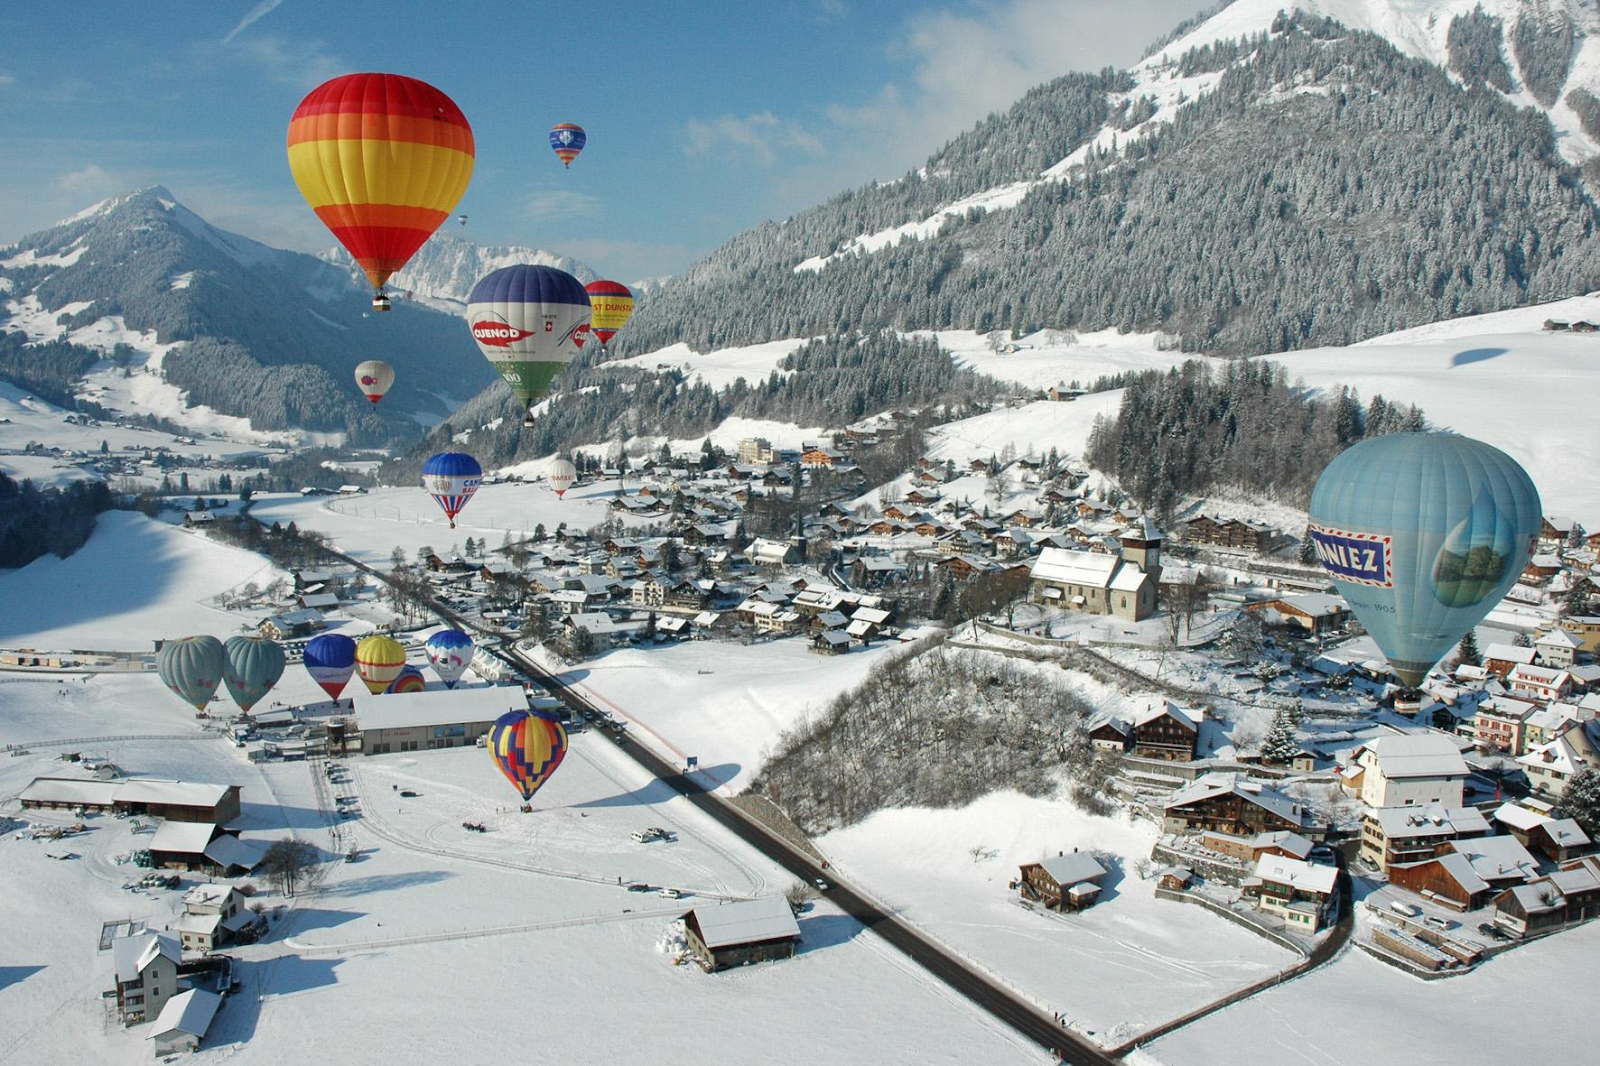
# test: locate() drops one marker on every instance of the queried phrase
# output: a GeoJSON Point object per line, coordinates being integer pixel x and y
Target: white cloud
{"type": "Point", "coordinates": [560, 203]}
{"type": "Point", "coordinates": [306, 64]}
{"type": "Point", "coordinates": [265, 7]}
{"type": "Point", "coordinates": [91, 180]}
{"type": "Point", "coordinates": [754, 138]}
{"type": "Point", "coordinates": [629, 261]}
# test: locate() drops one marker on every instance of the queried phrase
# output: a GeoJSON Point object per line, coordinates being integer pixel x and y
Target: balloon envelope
{"type": "Point", "coordinates": [567, 139]}
{"type": "Point", "coordinates": [192, 668]}
{"type": "Point", "coordinates": [527, 321]}
{"type": "Point", "coordinates": [379, 660]}
{"type": "Point", "coordinates": [611, 304]}
{"type": "Point", "coordinates": [450, 652]}
{"type": "Point", "coordinates": [382, 159]}
{"type": "Point", "coordinates": [330, 659]}
{"type": "Point", "coordinates": [253, 666]}
{"type": "Point", "coordinates": [527, 746]}
{"type": "Point", "coordinates": [451, 478]}
{"type": "Point", "coordinates": [375, 378]}
{"type": "Point", "coordinates": [1423, 534]}
{"type": "Point", "coordinates": [409, 679]}
{"type": "Point", "coordinates": [561, 474]}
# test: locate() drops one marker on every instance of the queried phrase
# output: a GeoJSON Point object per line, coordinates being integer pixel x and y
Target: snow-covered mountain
{"type": "Point", "coordinates": [1261, 181]}
{"type": "Point", "coordinates": [142, 306]}
{"type": "Point", "coordinates": [444, 269]}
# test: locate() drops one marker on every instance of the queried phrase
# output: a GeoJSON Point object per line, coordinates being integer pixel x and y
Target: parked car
{"type": "Point", "coordinates": [1438, 923]}
{"type": "Point", "coordinates": [1492, 931]}
{"type": "Point", "coordinates": [822, 886]}
{"type": "Point", "coordinates": [671, 893]}
{"type": "Point", "coordinates": [406, 793]}
{"type": "Point", "coordinates": [638, 886]}
{"type": "Point", "coordinates": [1322, 853]}
{"type": "Point", "coordinates": [1407, 910]}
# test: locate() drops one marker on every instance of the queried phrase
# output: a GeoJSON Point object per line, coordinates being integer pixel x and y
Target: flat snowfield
{"type": "Point", "coordinates": [1051, 357]}
{"type": "Point", "coordinates": [1113, 970]}
{"type": "Point", "coordinates": [726, 704]}
{"type": "Point", "coordinates": [1531, 394]}
{"type": "Point", "coordinates": [371, 525]}
{"type": "Point", "coordinates": [1462, 1019]}
{"type": "Point", "coordinates": [135, 581]}
{"type": "Point", "coordinates": [522, 926]}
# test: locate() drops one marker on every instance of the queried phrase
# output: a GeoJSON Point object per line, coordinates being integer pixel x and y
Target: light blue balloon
{"type": "Point", "coordinates": [1423, 534]}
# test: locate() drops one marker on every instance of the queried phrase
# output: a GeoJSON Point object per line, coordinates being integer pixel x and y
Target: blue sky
{"type": "Point", "coordinates": [704, 117]}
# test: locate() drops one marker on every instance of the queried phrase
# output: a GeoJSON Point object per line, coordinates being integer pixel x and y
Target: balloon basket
{"type": "Point", "coordinates": [527, 808]}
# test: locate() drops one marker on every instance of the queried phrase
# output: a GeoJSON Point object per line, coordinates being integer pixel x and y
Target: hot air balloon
{"type": "Point", "coordinates": [330, 660]}
{"type": "Point", "coordinates": [527, 746]}
{"type": "Point", "coordinates": [383, 160]}
{"type": "Point", "coordinates": [409, 679]}
{"type": "Point", "coordinates": [612, 306]}
{"type": "Point", "coordinates": [1423, 534]}
{"type": "Point", "coordinates": [192, 668]}
{"type": "Point", "coordinates": [375, 378]}
{"type": "Point", "coordinates": [379, 660]}
{"type": "Point", "coordinates": [450, 652]}
{"type": "Point", "coordinates": [253, 665]}
{"type": "Point", "coordinates": [561, 474]}
{"type": "Point", "coordinates": [461, 219]}
{"type": "Point", "coordinates": [526, 320]}
{"type": "Point", "coordinates": [568, 139]}
{"type": "Point", "coordinates": [451, 478]}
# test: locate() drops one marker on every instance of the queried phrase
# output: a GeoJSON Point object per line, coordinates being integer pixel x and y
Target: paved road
{"type": "Point", "coordinates": [949, 968]}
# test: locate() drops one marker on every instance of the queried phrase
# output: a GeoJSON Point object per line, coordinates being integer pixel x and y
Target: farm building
{"type": "Point", "coordinates": [146, 970]}
{"type": "Point", "coordinates": [442, 718]}
{"type": "Point", "coordinates": [175, 801]}
{"type": "Point", "coordinates": [738, 934]}
{"type": "Point", "coordinates": [1066, 882]}
{"type": "Point", "coordinates": [202, 847]}
{"type": "Point", "coordinates": [183, 1021]}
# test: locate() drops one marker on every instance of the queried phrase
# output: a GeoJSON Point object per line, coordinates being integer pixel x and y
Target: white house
{"type": "Point", "coordinates": [1407, 770]}
{"type": "Point", "coordinates": [184, 1021]}
{"type": "Point", "coordinates": [146, 969]}
{"type": "Point", "coordinates": [1094, 582]}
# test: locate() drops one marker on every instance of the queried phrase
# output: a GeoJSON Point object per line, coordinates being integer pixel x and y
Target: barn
{"type": "Point", "coordinates": [738, 934]}
{"type": "Point", "coordinates": [176, 801]}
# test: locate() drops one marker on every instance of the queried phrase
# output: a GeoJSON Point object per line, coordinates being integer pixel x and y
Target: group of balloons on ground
{"type": "Point", "coordinates": [526, 746]}
{"type": "Point", "coordinates": [383, 160]}
{"type": "Point", "coordinates": [193, 667]}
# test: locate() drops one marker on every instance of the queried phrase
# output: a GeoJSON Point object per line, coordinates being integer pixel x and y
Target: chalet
{"type": "Point", "coordinates": [1541, 683]}
{"type": "Point", "coordinates": [1232, 533]}
{"type": "Point", "coordinates": [1571, 893]}
{"type": "Point", "coordinates": [1063, 394]}
{"type": "Point", "coordinates": [1552, 765]}
{"type": "Point", "coordinates": [741, 933]}
{"type": "Point", "coordinates": [830, 642]}
{"type": "Point", "coordinates": [1499, 659]}
{"type": "Point", "coordinates": [606, 630]}
{"type": "Point", "coordinates": [1558, 839]}
{"type": "Point", "coordinates": [1555, 530]}
{"type": "Point", "coordinates": [922, 497]}
{"type": "Point", "coordinates": [1228, 803]}
{"type": "Point", "coordinates": [199, 518]}
{"type": "Point", "coordinates": [214, 915]}
{"type": "Point", "coordinates": [702, 534]}
{"type": "Point", "coordinates": [183, 1022]}
{"type": "Point", "coordinates": [292, 624]}
{"type": "Point", "coordinates": [1066, 882]}
{"type": "Point", "coordinates": [1541, 568]}
{"type": "Point", "coordinates": [1411, 834]}
{"type": "Point", "coordinates": [1250, 849]}
{"type": "Point", "coordinates": [1586, 627]}
{"type": "Point", "coordinates": [1094, 583]}
{"type": "Point", "coordinates": [817, 457]}
{"type": "Point", "coordinates": [1314, 612]}
{"type": "Point", "coordinates": [1111, 733]}
{"type": "Point", "coordinates": [146, 970]}
{"type": "Point", "coordinates": [1447, 879]}
{"type": "Point", "coordinates": [1164, 731]}
{"type": "Point", "coordinates": [964, 566]}
{"type": "Point", "coordinates": [764, 552]}
{"type": "Point", "coordinates": [689, 596]}
{"type": "Point", "coordinates": [1406, 770]}
{"type": "Point", "coordinates": [1302, 894]}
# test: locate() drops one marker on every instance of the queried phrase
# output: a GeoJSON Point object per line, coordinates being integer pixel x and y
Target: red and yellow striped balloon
{"type": "Point", "coordinates": [383, 160]}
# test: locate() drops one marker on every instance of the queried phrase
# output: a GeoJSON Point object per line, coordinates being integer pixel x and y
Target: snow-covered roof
{"type": "Point", "coordinates": [187, 838]}
{"type": "Point", "coordinates": [1128, 579]}
{"type": "Point", "coordinates": [189, 1012]}
{"type": "Point", "coordinates": [71, 790]}
{"type": "Point", "coordinates": [1308, 877]}
{"type": "Point", "coordinates": [194, 793]}
{"type": "Point", "coordinates": [746, 922]}
{"type": "Point", "coordinates": [1566, 833]}
{"type": "Point", "coordinates": [1559, 638]}
{"type": "Point", "coordinates": [1519, 817]}
{"type": "Point", "coordinates": [410, 710]}
{"type": "Point", "coordinates": [1166, 708]}
{"type": "Point", "coordinates": [229, 851]}
{"type": "Point", "coordinates": [1534, 675]}
{"type": "Point", "coordinates": [1220, 784]}
{"type": "Point", "coordinates": [1509, 653]}
{"type": "Point", "coordinates": [1420, 755]}
{"type": "Point", "coordinates": [1075, 567]}
{"type": "Point", "coordinates": [189, 922]}
{"type": "Point", "coordinates": [1497, 858]}
{"type": "Point", "coordinates": [1434, 820]}
{"type": "Point", "coordinates": [1316, 604]}
{"type": "Point", "coordinates": [1072, 868]}
{"type": "Point", "coordinates": [131, 954]}
{"type": "Point", "coordinates": [1295, 844]}
{"type": "Point", "coordinates": [208, 894]}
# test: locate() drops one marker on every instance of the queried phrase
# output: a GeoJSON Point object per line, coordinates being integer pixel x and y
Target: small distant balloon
{"type": "Point", "coordinates": [409, 679]}
{"type": "Point", "coordinates": [375, 377]}
{"type": "Point", "coordinates": [561, 474]}
{"type": "Point", "coordinates": [451, 478]}
{"type": "Point", "coordinates": [567, 139]}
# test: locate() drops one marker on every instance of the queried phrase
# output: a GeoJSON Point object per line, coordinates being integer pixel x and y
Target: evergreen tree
{"type": "Point", "coordinates": [1581, 800]}
{"type": "Point", "coordinates": [1280, 746]}
{"type": "Point", "coordinates": [1468, 649]}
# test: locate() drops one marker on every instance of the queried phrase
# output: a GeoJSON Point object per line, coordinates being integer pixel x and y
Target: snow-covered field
{"type": "Point", "coordinates": [1499, 378]}
{"type": "Point", "coordinates": [135, 581]}
{"type": "Point", "coordinates": [370, 526]}
{"type": "Point", "coordinates": [1463, 1019]}
{"type": "Point", "coordinates": [719, 368]}
{"type": "Point", "coordinates": [726, 704]}
{"type": "Point", "coordinates": [1121, 966]}
{"type": "Point", "coordinates": [1051, 357]}
{"type": "Point", "coordinates": [585, 968]}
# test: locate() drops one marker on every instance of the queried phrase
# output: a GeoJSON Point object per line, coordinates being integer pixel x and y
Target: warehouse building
{"type": "Point", "coordinates": [176, 801]}
{"type": "Point", "coordinates": [738, 934]}
{"type": "Point", "coordinates": [441, 718]}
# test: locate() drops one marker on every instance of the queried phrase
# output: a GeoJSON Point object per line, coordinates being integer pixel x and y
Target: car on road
{"type": "Point", "coordinates": [1322, 853]}
{"type": "Point", "coordinates": [822, 886]}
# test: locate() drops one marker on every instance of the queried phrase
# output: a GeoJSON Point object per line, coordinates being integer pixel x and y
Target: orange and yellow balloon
{"type": "Point", "coordinates": [379, 660]}
{"type": "Point", "coordinates": [383, 160]}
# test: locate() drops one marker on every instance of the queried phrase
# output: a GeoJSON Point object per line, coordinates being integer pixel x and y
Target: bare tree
{"type": "Point", "coordinates": [286, 862]}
